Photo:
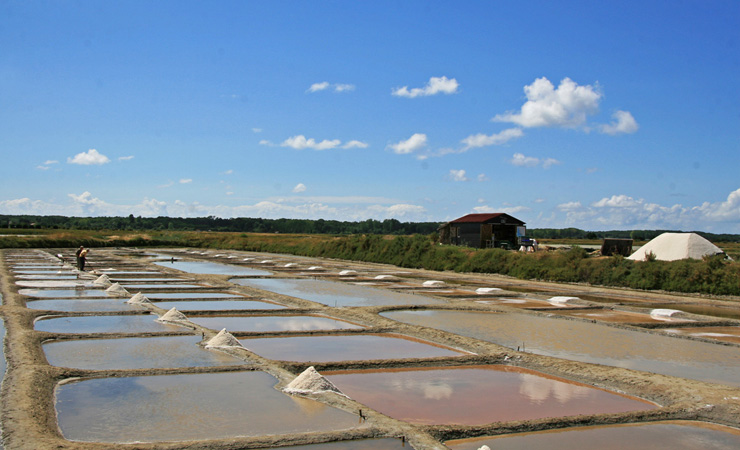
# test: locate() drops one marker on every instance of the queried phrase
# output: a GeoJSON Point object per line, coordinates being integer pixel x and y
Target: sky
{"type": "Point", "coordinates": [595, 115]}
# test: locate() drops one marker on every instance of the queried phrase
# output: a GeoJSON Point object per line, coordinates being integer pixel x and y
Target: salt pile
{"type": "Point", "coordinates": [173, 315]}
{"type": "Point", "coordinates": [138, 299]}
{"type": "Point", "coordinates": [290, 265]}
{"type": "Point", "coordinates": [103, 280]}
{"type": "Point", "coordinates": [310, 382]}
{"type": "Point", "coordinates": [481, 291]}
{"type": "Point", "coordinates": [222, 340]}
{"type": "Point", "coordinates": [663, 314]}
{"type": "Point", "coordinates": [485, 447]}
{"type": "Point", "coordinates": [561, 301]}
{"type": "Point", "coordinates": [433, 283]}
{"type": "Point", "coordinates": [117, 290]}
{"type": "Point", "coordinates": [385, 277]}
{"type": "Point", "coordinates": [315, 268]}
{"type": "Point", "coordinates": [345, 273]}
{"type": "Point", "coordinates": [675, 246]}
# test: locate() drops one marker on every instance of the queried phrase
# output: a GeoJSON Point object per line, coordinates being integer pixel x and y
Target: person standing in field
{"type": "Point", "coordinates": [81, 253]}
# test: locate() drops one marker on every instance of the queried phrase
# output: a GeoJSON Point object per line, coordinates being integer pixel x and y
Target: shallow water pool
{"type": "Point", "coordinates": [212, 268]}
{"type": "Point", "coordinates": [89, 305]}
{"type": "Point", "coordinates": [139, 323]}
{"type": "Point", "coordinates": [217, 305]}
{"type": "Point", "coordinates": [188, 407]}
{"type": "Point", "coordinates": [272, 323]}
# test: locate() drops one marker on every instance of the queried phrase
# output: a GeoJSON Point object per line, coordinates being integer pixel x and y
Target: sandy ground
{"type": "Point", "coordinates": [28, 413]}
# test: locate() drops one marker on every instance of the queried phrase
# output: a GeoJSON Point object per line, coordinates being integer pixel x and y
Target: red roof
{"type": "Point", "coordinates": [483, 218]}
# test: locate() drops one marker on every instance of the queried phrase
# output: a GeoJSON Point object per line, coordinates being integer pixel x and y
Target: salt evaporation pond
{"type": "Point", "coordinates": [272, 323]}
{"type": "Point", "coordinates": [344, 348]}
{"type": "Point", "coordinates": [147, 286]}
{"type": "Point", "coordinates": [188, 407]}
{"type": "Point", "coordinates": [65, 293]}
{"type": "Point", "coordinates": [134, 353]}
{"type": "Point", "coordinates": [217, 305]}
{"type": "Point", "coordinates": [140, 323]}
{"type": "Point", "coordinates": [588, 342]}
{"type": "Point", "coordinates": [727, 334]}
{"type": "Point", "coordinates": [48, 276]}
{"type": "Point", "coordinates": [675, 435]}
{"type": "Point", "coordinates": [360, 444]}
{"type": "Point", "coordinates": [191, 295]}
{"type": "Point", "coordinates": [68, 305]}
{"type": "Point", "coordinates": [476, 395]}
{"type": "Point", "coordinates": [212, 268]}
{"type": "Point", "coordinates": [338, 294]}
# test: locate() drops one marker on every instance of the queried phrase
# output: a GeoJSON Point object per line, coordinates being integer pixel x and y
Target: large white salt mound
{"type": "Point", "coordinates": [103, 280]}
{"type": "Point", "coordinates": [663, 314]}
{"type": "Point", "coordinates": [561, 301]}
{"type": "Point", "coordinates": [310, 382]}
{"type": "Point", "coordinates": [675, 246]}
{"type": "Point", "coordinates": [173, 315]}
{"type": "Point", "coordinates": [117, 290]}
{"type": "Point", "coordinates": [345, 273]}
{"type": "Point", "coordinates": [223, 339]}
{"type": "Point", "coordinates": [485, 447]}
{"type": "Point", "coordinates": [486, 290]}
{"type": "Point", "coordinates": [433, 283]}
{"type": "Point", "coordinates": [138, 299]}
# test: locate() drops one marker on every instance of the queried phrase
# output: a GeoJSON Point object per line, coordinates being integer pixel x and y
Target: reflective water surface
{"type": "Point", "coordinates": [217, 305]}
{"type": "Point", "coordinates": [676, 435]}
{"type": "Point", "coordinates": [73, 305]}
{"type": "Point", "coordinates": [134, 353]}
{"type": "Point", "coordinates": [212, 268]}
{"type": "Point", "coordinates": [188, 407]}
{"type": "Point", "coordinates": [476, 395]}
{"type": "Point", "coordinates": [338, 294]}
{"type": "Point", "coordinates": [104, 324]}
{"type": "Point", "coordinates": [272, 323]}
{"type": "Point", "coordinates": [588, 342]}
{"type": "Point", "coordinates": [343, 348]}
{"type": "Point", "coordinates": [727, 334]}
{"type": "Point", "coordinates": [65, 293]}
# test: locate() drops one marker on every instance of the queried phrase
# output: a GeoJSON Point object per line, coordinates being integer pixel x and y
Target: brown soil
{"type": "Point", "coordinates": [29, 418]}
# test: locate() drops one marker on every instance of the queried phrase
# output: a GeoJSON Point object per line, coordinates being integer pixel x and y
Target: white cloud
{"type": "Point", "coordinates": [549, 162]}
{"type": "Point", "coordinates": [186, 180]}
{"type": "Point", "coordinates": [623, 123]}
{"type": "Point", "coordinates": [483, 177]}
{"type": "Point", "coordinates": [355, 144]}
{"type": "Point", "coordinates": [229, 172]}
{"type": "Point", "coordinates": [530, 161]}
{"type": "Point", "coordinates": [49, 162]}
{"type": "Point", "coordinates": [43, 167]}
{"type": "Point", "coordinates": [300, 187]}
{"type": "Point", "coordinates": [726, 211]}
{"type": "Point", "coordinates": [90, 157]}
{"type": "Point", "coordinates": [300, 142]}
{"type": "Point", "coordinates": [508, 209]}
{"type": "Point", "coordinates": [436, 85]}
{"type": "Point", "coordinates": [483, 140]}
{"type": "Point", "coordinates": [410, 145]}
{"type": "Point", "coordinates": [256, 130]}
{"type": "Point", "coordinates": [316, 87]}
{"type": "Point", "coordinates": [616, 201]}
{"type": "Point", "coordinates": [457, 175]}
{"type": "Point", "coordinates": [337, 87]}
{"type": "Point", "coordinates": [125, 158]}
{"type": "Point", "coordinates": [344, 87]}
{"type": "Point", "coordinates": [266, 142]}
{"type": "Point", "coordinates": [567, 106]}
{"type": "Point", "coordinates": [569, 206]}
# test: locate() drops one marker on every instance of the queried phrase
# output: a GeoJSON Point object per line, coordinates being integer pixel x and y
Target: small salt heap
{"type": "Point", "coordinates": [433, 283]}
{"type": "Point", "coordinates": [663, 314]}
{"type": "Point", "coordinates": [315, 268]}
{"type": "Point", "coordinates": [138, 299]}
{"type": "Point", "coordinates": [483, 291]}
{"type": "Point", "coordinates": [117, 290]}
{"type": "Point", "coordinates": [385, 277]}
{"type": "Point", "coordinates": [223, 339]}
{"type": "Point", "coordinates": [103, 280]}
{"type": "Point", "coordinates": [173, 315]}
{"type": "Point", "coordinates": [346, 273]}
{"type": "Point", "coordinates": [310, 381]}
{"type": "Point", "coordinates": [561, 301]}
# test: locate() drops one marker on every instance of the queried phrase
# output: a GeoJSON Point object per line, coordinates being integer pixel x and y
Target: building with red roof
{"type": "Point", "coordinates": [483, 231]}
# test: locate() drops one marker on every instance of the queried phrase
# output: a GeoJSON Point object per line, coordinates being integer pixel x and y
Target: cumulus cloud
{"type": "Point", "coordinates": [316, 87]}
{"type": "Point", "coordinates": [566, 106]}
{"type": "Point", "coordinates": [520, 160]}
{"type": "Point", "coordinates": [90, 157]}
{"type": "Point", "coordinates": [485, 209]}
{"type": "Point", "coordinates": [337, 87]}
{"type": "Point", "coordinates": [436, 85]}
{"type": "Point", "coordinates": [355, 144]}
{"type": "Point", "coordinates": [623, 123]}
{"type": "Point", "coordinates": [125, 158]}
{"type": "Point", "coordinates": [300, 142]}
{"type": "Point", "coordinates": [410, 145]}
{"type": "Point", "coordinates": [300, 187]}
{"type": "Point", "coordinates": [484, 140]}
{"type": "Point", "coordinates": [457, 175]}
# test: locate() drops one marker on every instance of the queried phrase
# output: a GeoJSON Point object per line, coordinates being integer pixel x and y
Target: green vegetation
{"type": "Point", "coordinates": [712, 275]}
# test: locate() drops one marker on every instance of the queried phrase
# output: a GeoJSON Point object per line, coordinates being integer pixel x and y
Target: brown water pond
{"type": "Point", "coordinates": [272, 323]}
{"type": "Point", "coordinates": [605, 315]}
{"type": "Point", "coordinates": [727, 334]}
{"type": "Point", "coordinates": [188, 407]}
{"type": "Point", "coordinates": [476, 395]}
{"type": "Point", "coordinates": [588, 342]}
{"type": "Point", "coordinates": [134, 353]}
{"type": "Point", "coordinates": [676, 435]}
{"type": "Point", "coordinates": [344, 348]}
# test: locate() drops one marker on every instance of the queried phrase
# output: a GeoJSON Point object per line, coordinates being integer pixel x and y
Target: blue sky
{"type": "Point", "coordinates": [595, 115]}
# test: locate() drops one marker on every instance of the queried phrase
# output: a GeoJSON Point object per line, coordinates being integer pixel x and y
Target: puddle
{"type": "Point", "coordinates": [69, 305]}
{"type": "Point", "coordinates": [674, 435]}
{"type": "Point", "coordinates": [104, 324]}
{"type": "Point", "coordinates": [620, 316]}
{"type": "Point", "coordinates": [727, 334]}
{"type": "Point", "coordinates": [272, 323]}
{"type": "Point", "coordinates": [212, 268]}
{"type": "Point", "coordinates": [588, 342]}
{"type": "Point", "coordinates": [134, 353]}
{"type": "Point", "coordinates": [476, 395]}
{"type": "Point", "coordinates": [63, 293]}
{"type": "Point", "coordinates": [337, 294]}
{"type": "Point", "coordinates": [344, 348]}
{"type": "Point", "coordinates": [188, 407]}
{"type": "Point", "coordinates": [216, 305]}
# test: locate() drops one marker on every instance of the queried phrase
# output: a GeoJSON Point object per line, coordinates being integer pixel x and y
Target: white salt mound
{"type": "Point", "coordinates": [486, 290]}
{"type": "Point", "coordinates": [103, 279]}
{"type": "Point", "coordinates": [223, 339]}
{"type": "Point", "coordinates": [432, 283]}
{"type": "Point", "coordinates": [485, 447]}
{"type": "Point", "coordinates": [310, 382]}
{"type": "Point", "coordinates": [344, 273]}
{"type": "Point", "coordinates": [663, 314]}
{"type": "Point", "coordinates": [675, 246]}
{"type": "Point", "coordinates": [138, 299]}
{"type": "Point", "coordinates": [315, 268]}
{"type": "Point", "coordinates": [385, 277]}
{"type": "Point", "coordinates": [561, 301]}
{"type": "Point", "coordinates": [173, 315]}
{"type": "Point", "coordinates": [117, 290]}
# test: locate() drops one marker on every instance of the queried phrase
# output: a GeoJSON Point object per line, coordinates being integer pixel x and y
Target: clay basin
{"type": "Point", "coordinates": [140, 323]}
{"type": "Point", "coordinates": [134, 353]}
{"type": "Point", "coordinates": [333, 293]}
{"type": "Point", "coordinates": [674, 435]}
{"type": "Point", "coordinates": [477, 395]}
{"type": "Point", "coordinates": [526, 303]}
{"type": "Point", "coordinates": [89, 305]}
{"type": "Point", "coordinates": [188, 407]}
{"type": "Point", "coordinates": [610, 316]}
{"type": "Point", "coordinates": [588, 342]}
{"type": "Point", "coordinates": [272, 323]}
{"type": "Point", "coordinates": [726, 334]}
{"type": "Point", "coordinates": [345, 348]}
{"type": "Point", "coordinates": [212, 268]}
